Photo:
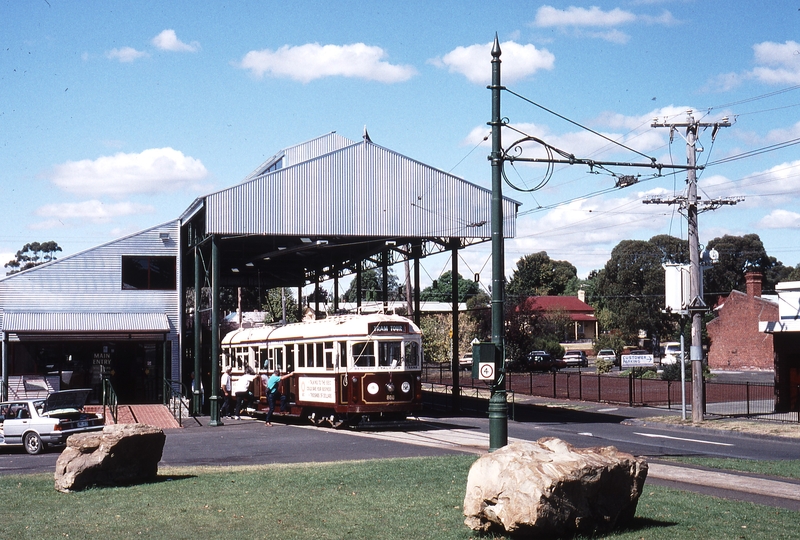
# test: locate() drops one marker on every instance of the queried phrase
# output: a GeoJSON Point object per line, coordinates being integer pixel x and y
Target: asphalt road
{"type": "Point", "coordinates": [249, 442]}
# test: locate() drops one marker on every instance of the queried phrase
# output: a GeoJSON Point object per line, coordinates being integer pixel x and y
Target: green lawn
{"type": "Point", "coordinates": [382, 499]}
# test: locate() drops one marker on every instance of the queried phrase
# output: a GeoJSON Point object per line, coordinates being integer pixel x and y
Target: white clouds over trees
{"type": "Point", "coordinates": [311, 61]}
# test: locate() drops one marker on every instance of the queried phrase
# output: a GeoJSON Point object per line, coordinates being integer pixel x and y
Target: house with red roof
{"type": "Point", "coordinates": [581, 314]}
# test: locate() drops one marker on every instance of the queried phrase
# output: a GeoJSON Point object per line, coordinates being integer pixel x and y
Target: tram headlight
{"type": "Point", "coordinates": [405, 387]}
{"type": "Point", "coordinates": [373, 388]}
{"type": "Point", "coordinates": [390, 388]}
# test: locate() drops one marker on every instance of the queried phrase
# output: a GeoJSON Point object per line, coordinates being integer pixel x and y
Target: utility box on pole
{"type": "Point", "coordinates": [677, 293]}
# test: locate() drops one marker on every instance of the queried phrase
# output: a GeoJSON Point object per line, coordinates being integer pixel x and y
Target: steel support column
{"type": "Point", "coordinates": [454, 243]}
{"type": "Point", "coordinates": [198, 330]}
{"type": "Point", "coordinates": [215, 348]}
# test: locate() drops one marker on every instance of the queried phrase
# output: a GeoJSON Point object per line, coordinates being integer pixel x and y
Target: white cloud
{"type": "Point", "coordinates": [155, 170]}
{"type": "Point", "coordinates": [589, 227]}
{"type": "Point", "coordinates": [168, 41]}
{"type": "Point", "coordinates": [548, 16]}
{"type": "Point", "coordinates": [126, 54]}
{"type": "Point", "coordinates": [93, 210]}
{"type": "Point", "coordinates": [780, 219]}
{"type": "Point", "coordinates": [314, 61]}
{"type": "Point", "coordinates": [577, 18]}
{"type": "Point", "coordinates": [519, 61]}
{"type": "Point", "coordinates": [776, 63]}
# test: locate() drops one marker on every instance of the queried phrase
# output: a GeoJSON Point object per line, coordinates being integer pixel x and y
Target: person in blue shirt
{"type": "Point", "coordinates": [272, 393]}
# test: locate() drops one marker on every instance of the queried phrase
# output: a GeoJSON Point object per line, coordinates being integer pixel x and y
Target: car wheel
{"type": "Point", "coordinates": [33, 443]}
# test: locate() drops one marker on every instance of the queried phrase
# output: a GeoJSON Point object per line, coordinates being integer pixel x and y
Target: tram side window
{"type": "Point", "coordinates": [309, 354]}
{"type": "Point", "coordinates": [412, 354]}
{"type": "Point", "coordinates": [328, 355]}
{"type": "Point", "coordinates": [320, 356]}
{"type": "Point", "coordinates": [277, 358]}
{"type": "Point", "coordinates": [343, 354]}
{"type": "Point", "coordinates": [363, 354]}
{"type": "Point", "coordinates": [389, 353]}
{"type": "Point", "coordinates": [301, 356]}
{"type": "Point", "coordinates": [263, 358]}
{"type": "Point", "coordinates": [290, 358]}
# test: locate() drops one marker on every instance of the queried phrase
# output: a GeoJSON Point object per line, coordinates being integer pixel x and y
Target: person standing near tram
{"type": "Point", "coordinates": [241, 389]}
{"type": "Point", "coordinates": [272, 393]}
{"type": "Point", "coordinates": [226, 387]}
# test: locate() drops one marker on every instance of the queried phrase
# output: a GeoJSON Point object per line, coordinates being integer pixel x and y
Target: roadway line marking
{"type": "Point", "coordinates": [654, 436]}
{"type": "Point", "coordinates": [608, 410]}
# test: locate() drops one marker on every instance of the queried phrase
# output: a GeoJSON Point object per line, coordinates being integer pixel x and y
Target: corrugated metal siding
{"type": "Point", "coordinates": [90, 283]}
{"type": "Point", "coordinates": [314, 148]}
{"type": "Point", "coordinates": [85, 322]}
{"type": "Point", "coordinates": [361, 190]}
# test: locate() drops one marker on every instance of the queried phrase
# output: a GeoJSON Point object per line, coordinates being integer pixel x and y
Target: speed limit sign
{"type": "Point", "coordinates": [486, 371]}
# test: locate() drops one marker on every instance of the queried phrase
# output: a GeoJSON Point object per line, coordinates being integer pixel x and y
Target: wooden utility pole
{"type": "Point", "coordinates": [696, 306]}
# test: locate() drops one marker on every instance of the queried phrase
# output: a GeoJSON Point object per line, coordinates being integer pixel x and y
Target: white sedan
{"type": "Point", "coordinates": [35, 423]}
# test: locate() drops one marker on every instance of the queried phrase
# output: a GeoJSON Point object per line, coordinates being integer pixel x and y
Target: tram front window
{"type": "Point", "coordinates": [390, 354]}
{"type": "Point", "coordinates": [363, 355]}
{"type": "Point", "coordinates": [412, 354]}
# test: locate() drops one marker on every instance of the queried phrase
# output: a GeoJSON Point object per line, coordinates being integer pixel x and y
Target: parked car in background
{"type": "Point", "coordinates": [541, 361]}
{"type": "Point", "coordinates": [465, 362]}
{"type": "Point", "coordinates": [536, 361]}
{"type": "Point", "coordinates": [672, 353]}
{"type": "Point", "coordinates": [36, 423]}
{"type": "Point", "coordinates": [608, 355]}
{"type": "Point", "coordinates": [576, 358]}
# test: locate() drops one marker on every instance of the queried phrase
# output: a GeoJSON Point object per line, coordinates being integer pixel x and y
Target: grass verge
{"type": "Point", "coordinates": [388, 499]}
{"type": "Point", "coordinates": [781, 469]}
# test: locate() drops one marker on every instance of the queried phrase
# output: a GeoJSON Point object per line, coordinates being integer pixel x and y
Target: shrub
{"type": "Point", "coordinates": [603, 366]}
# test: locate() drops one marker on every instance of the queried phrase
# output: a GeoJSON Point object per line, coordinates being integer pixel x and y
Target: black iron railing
{"type": "Point", "coordinates": [729, 399]}
{"type": "Point", "coordinates": [110, 400]}
{"type": "Point", "coordinates": [173, 398]}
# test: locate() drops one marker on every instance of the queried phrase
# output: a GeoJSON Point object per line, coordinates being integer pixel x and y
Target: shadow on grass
{"type": "Point", "coordinates": [637, 525]}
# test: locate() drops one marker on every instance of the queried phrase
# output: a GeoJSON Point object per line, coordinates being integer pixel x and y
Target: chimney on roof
{"type": "Point", "coordinates": [754, 283]}
{"type": "Point", "coordinates": [581, 295]}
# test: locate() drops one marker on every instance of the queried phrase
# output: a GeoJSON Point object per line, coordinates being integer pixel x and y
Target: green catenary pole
{"type": "Point", "coordinates": [498, 405]}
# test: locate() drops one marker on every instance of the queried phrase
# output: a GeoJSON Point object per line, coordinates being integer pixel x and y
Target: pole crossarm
{"type": "Point", "coordinates": [702, 206]}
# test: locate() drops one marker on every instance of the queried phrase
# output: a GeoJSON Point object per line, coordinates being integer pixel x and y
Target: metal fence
{"type": "Point", "coordinates": [748, 399]}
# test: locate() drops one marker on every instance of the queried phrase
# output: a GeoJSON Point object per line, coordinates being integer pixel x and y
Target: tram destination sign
{"type": "Point", "coordinates": [637, 360]}
{"type": "Point", "coordinates": [388, 328]}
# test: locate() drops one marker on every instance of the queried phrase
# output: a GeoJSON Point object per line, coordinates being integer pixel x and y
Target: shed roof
{"type": "Point", "coordinates": [318, 208]}
{"type": "Point", "coordinates": [15, 321]}
{"type": "Point", "coordinates": [328, 187]}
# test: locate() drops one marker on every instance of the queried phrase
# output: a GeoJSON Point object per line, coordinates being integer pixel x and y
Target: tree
{"type": "Point", "coordinates": [538, 275]}
{"type": "Point", "coordinates": [737, 255]}
{"type": "Point", "coordinates": [442, 289]}
{"type": "Point", "coordinates": [31, 255]}
{"type": "Point", "coordinates": [437, 340]}
{"type": "Point", "coordinates": [372, 287]}
{"type": "Point", "coordinates": [629, 290]}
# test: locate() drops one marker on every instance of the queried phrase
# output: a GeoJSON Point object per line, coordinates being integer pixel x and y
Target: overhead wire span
{"type": "Point", "coordinates": [590, 130]}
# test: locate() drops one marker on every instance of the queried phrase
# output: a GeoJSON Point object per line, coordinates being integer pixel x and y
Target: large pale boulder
{"type": "Point", "coordinates": [550, 488]}
{"type": "Point", "coordinates": [121, 454]}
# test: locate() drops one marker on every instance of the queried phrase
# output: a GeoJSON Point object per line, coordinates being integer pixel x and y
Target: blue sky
{"type": "Point", "coordinates": [115, 116]}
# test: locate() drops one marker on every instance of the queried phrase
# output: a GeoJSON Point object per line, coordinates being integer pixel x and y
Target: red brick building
{"type": "Point", "coordinates": [734, 336]}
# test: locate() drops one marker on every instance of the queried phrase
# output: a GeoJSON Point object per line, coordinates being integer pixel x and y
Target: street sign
{"type": "Point", "coordinates": [637, 360]}
{"type": "Point", "coordinates": [486, 371]}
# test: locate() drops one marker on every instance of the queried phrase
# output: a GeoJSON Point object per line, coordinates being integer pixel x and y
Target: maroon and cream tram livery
{"type": "Point", "coordinates": [345, 368]}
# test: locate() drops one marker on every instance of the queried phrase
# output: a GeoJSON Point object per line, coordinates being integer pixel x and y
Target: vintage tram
{"type": "Point", "coordinates": [345, 369]}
